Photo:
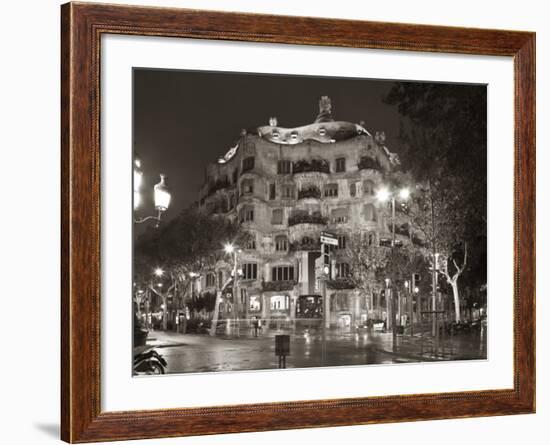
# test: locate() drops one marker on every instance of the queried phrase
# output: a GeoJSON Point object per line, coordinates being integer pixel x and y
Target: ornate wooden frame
{"type": "Point", "coordinates": [81, 28]}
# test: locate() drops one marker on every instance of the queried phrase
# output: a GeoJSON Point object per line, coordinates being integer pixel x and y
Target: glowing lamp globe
{"type": "Point", "coordinates": [404, 193]}
{"type": "Point", "coordinates": [162, 195]}
{"type": "Point", "coordinates": [383, 195]}
{"type": "Point", "coordinates": [138, 180]}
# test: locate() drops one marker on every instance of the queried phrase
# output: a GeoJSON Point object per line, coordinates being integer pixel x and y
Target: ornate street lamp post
{"type": "Point", "coordinates": [161, 195]}
{"type": "Point", "coordinates": [384, 195]}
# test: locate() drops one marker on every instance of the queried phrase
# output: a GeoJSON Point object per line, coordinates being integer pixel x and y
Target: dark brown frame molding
{"type": "Point", "coordinates": [82, 25]}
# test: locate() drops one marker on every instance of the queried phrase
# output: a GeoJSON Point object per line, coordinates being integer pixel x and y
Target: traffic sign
{"type": "Point", "coordinates": [329, 238]}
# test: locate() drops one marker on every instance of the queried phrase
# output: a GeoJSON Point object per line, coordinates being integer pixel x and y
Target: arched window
{"type": "Point", "coordinates": [247, 187]}
{"type": "Point", "coordinates": [342, 270]}
{"type": "Point", "coordinates": [251, 242]}
{"type": "Point", "coordinates": [210, 279]}
{"type": "Point", "coordinates": [369, 212]}
{"type": "Point", "coordinates": [306, 241]}
{"type": "Point", "coordinates": [246, 214]}
{"type": "Point", "coordinates": [353, 189]}
{"type": "Point", "coordinates": [248, 163]}
{"type": "Point", "coordinates": [281, 243]}
{"type": "Point", "coordinates": [340, 215]}
{"type": "Point", "coordinates": [368, 187]}
{"type": "Point", "coordinates": [277, 216]}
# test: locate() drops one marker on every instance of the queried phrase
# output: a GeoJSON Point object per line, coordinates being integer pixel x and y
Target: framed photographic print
{"type": "Point", "coordinates": [284, 222]}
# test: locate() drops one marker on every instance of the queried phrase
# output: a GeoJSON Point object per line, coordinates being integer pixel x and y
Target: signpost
{"type": "Point", "coordinates": [329, 238]}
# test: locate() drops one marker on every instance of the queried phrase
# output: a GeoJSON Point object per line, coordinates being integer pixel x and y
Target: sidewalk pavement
{"type": "Point", "coordinates": [402, 347]}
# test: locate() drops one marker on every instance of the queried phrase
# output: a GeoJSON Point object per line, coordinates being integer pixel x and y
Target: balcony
{"type": "Point", "coordinates": [315, 165]}
{"type": "Point", "coordinates": [309, 193]}
{"type": "Point", "coordinates": [306, 218]}
{"type": "Point", "coordinates": [313, 246]}
{"type": "Point", "coordinates": [340, 283]}
{"type": "Point", "coordinates": [366, 162]}
{"type": "Point", "coordinates": [278, 286]}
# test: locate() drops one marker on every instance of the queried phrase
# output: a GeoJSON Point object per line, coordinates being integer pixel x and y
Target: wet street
{"type": "Point", "coordinates": [202, 353]}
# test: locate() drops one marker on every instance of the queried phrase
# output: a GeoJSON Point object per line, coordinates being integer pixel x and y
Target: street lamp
{"type": "Point", "coordinates": [159, 272]}
{"type": "Point", "coordinates": [161, 196]}
{"type": "Point", "coordinates": [138, 180]}
{"type": "Point", "coordinates": [383, 195]}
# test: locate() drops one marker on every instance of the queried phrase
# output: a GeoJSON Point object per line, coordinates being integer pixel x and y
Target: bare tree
{"type": "Point", "coordinates": [438, 218]}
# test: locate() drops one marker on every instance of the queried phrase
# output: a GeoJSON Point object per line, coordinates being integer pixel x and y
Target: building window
{"type": "Point", "coordinates": [369, 212]}
{"type": "Point", "coordinates": [282, 273]}
{"type": "Point", "coordinates": [353, 189]}
{"type": "Point", "coordinates": [272, 192]}
{"type": "Point", "coordinates": [277, 216]}
{"type": "Point", "coordinates": [342, 270]}
{"type": "Point", "coordinates": [339, 216]}
{"type": "Point", "coordinates": [235, 175]}
{"type": "Point", "coordinates": [331, 190]}
{"type": "Point", "coordinates": [307, 241]}
{"type": "Point", "coordinates": [255, 303]}
{"type": "Point", "coordinates": [281, 243]}
{"type": "Point", "coordinates": [339, 302]}
{"type": "Point", "coordinates": [231, 200]}
{"type": "Point", "coordinates": [280, 303]}
{"type": "Point", "coordinates": [340, 165]}
{"type": "Point", "coordinates": [247, 187]}
{"type": "Point", "coordinates": [246, 214]}
{"type": "Point", "coordinates": [248, 163]}
{"type": "Point", "coordinates": [342, 241]}
{"type": "Point", "coordinates": [220, 279]}
{"type": "Point", "coordinates": [368, 187]}
{"type": "Point", "coordinates": [251, 243]}
{"type": "Point", "coordinates": [210, 280]}
{"type": "Point", "coordinates": [288, 191]}
{"type": "Point", "coordinates": [284, 167]}
{"type": "Point", "coordinates": [250, 271]}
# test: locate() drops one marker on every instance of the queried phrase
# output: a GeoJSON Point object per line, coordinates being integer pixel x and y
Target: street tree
{"type": "Point", "coordinates": [438, 226]}
{"type": "Point", "coordinates": [367, 262]}
{"type": "Point", "coordinates": [443, 146]}
{"type": "Point", "coordinates": [182, 248]}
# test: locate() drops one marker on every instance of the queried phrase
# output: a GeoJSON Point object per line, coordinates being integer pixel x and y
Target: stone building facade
{"type": "Point", "coordinates": [285, 186]}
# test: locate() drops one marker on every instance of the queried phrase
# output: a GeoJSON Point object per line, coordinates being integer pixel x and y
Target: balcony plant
{"type": "Point", "coordinates": [314, 165]}
{"type": "Point", "coordinates": [309, 192]}
{"type": "Point", "coordinates": [366, 162]}
{"type": "Point", "coordinates": [306, 218]}
{"type": "Point", "coordinates": [341, 283]}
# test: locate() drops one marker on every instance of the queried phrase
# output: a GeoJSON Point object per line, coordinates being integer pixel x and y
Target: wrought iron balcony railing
{"type": "Point", "coordinates": [315, 165]}
{"type": "Point", "coordinates": [310, 192]}
{"type": "Point", "coordinates": [306, 218]}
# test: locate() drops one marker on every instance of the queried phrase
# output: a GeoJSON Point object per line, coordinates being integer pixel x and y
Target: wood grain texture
{"type": "Point", "coordinates": [81, 28]}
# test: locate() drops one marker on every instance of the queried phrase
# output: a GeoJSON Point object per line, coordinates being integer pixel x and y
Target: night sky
{"type": "Point", "coordinates": [184, 120]}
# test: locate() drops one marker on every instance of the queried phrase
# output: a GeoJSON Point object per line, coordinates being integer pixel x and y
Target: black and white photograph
{"type": "Point", "coordinates": [285, 221]}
